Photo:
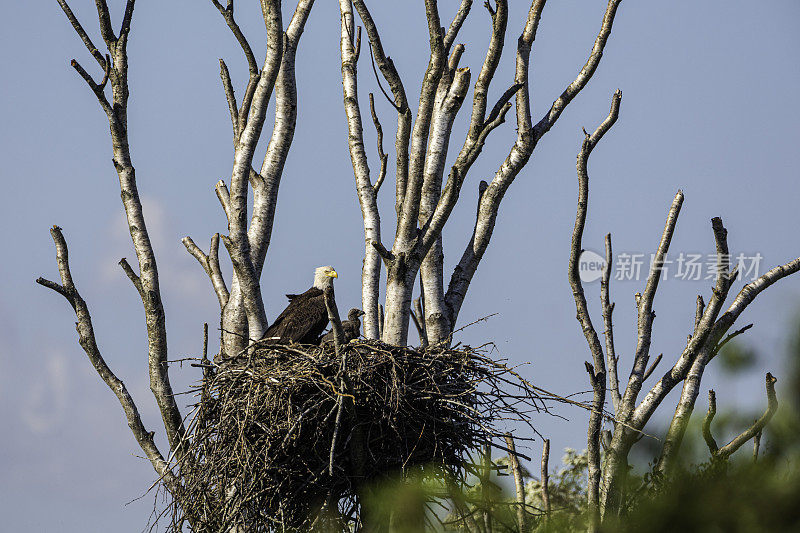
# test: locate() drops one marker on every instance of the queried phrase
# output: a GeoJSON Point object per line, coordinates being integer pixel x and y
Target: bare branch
{"type": "Point", "coordinates": [646, 314]}
{"type": "Point", "coordinates": [584, 76]}
{"type": "Point", "coordinates": [608, 310]}
{"type": "Point", "coordinates": [546, 478]}
{"type": "Point", "coordinates": [96, 88]}
{"type": "Point", "coordinates": [706, 429]}
{"type": "Point", "coordinates": [501, 103]}
{"type": "Point", "coordinates": [711, 329]}
{"type": "Point", "coordinates": [698, 313]}
{"type": "Point", "coordinates": [387, 68]}
{"type": "Point", "coordinates": [756, 445]}
{"type": "Point", "coordinates": [652, 367]}
{"type": "Point", "coordinates": [338, 336]}
{"type": "Point", "coordinates": [381, 154]}
{"type": "Point", "coordinates": [577, 234]}
{"type": "Point", "coordinates": [265, 197]}
{"type": "Point", "coordinates": [455, 25]}
{"type": "Point", "coordinates": [758, 426]}
{"type": "Point", "coordinates": [378, 78]}
{"type": "Point", "coordinates": [418, 314]}
{"type": "Point", "coordinates": [227, 14]}
{"type": "Point", "coordinates": [137, 283]}
{"type": "Point", "coordinates": [749, 293]}
{"type": "Point", "coordinates": [597, 372]}
{"type": "Point", "coordinates": [125, 27]}
{"type": "Point", "coordinates": [527, 138]}
{"type": "Point", "coordinates": [357, 47]}
{"type": "Point", "coordinates": [419, 320]}
{"type": "Point", "coordinates": [87, 341]}
{"type": "Point", "coordinates": [489, 204]}
{"type": "Point", "coordinates": [407, 218]}
{"type": "Point", "coordinates": [333, 317]}
{"type": "Point", "coordinates": [519, 482]}
{"type": "Point", "coordinates": [683, 412]}
{"type": "Point", "coordinates": [82, 34]}
{"type": "Point", "coordinates": [116, 112]}
{"type": "Point", "coordinates": [367, 196]}
{"type": "Point", "coordinates": [224, 197]}
{"type": "Point", "coordinates": [210, 264]}
{"type": "Point", "coordinates": [384, 253]}
{"type": "Point", "coordinates": [105, 22]}
{"type": "Point", "coordinates": [230, 96]}
{"type": "Point", "coordinates": [480, 93]}
{"type": "Point", "coordinates": [596, 377]}
{"type": "Point", "coordinates": [730, 337]}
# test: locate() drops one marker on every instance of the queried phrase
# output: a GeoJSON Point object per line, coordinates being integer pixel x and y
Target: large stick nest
{"type": "Point", "coordinates": [284, 432]}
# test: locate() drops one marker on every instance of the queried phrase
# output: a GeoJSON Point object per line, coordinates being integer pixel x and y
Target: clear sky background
{"type": "Point", "coordinates": [710, 106]}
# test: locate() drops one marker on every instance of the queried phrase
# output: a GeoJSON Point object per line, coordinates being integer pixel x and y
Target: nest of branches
{"type": "Point", "coordinates": [291, 430]}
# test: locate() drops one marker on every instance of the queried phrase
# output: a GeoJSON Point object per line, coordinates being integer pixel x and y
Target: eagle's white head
{"type": "Point", "coordinates": [323, 277]}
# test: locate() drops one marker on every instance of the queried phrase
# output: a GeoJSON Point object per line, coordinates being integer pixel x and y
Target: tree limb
{"type": "Point", "coordinates": [87, 41]}
{"type": "Point", "coordinates": [758, 426]}
{"type": "Point", "coordinates": [645, 311]}
{"type": "Point", "coordinates": [597, 372]}
{"type": "Point", "coordinates": [148, 271]}
{"type": "Point", "coordinates": [389, 71]}
{"type": "Point", "coordinates": [418, 315]}
{"type": "Point", "coordinates": [367, 198]}
{"type": "Point", "coordinates": [545, 478]}
{"type": "Point", "coordinates": [652, 367]}
{"type": "Point", "coordinates": [87, 340]}
{"type": "Point", "coordinates": [227, 14]}
{"type": "Point", "coordinates": [706, 428]}
{"type": "Point", "coordinates": [381, 155]}
{"type": "Point", "coordinates": [519, 482]}
{"type": "Point", "coordinates": [230, 96]}
{"type": "Point", "coordinates": [527, 138]}
{"type": "Point", "coordinates": [455, 25]}
{"type": "Point", "coordinates": [210, 264]}
{"type": "Point", "coordinates": [584, 75]}
{"type": "Point", "coordinates": [608, 310]}
{"type": "Point", "coordinates": [244, 316]}
{"type": "Point", "coordinates": [137, 283]}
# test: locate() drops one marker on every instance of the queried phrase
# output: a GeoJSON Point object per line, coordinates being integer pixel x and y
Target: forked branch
{"type": "Point", "coordinates": [750, 433]}
{"type": "Point", "coordinates": [87, 340]}
{"type": "Point", "coordinates": [116, 72]}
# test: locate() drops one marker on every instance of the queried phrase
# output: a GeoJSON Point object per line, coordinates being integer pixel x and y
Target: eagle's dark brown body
{"type": "Point", "coordinates": [303, 320]}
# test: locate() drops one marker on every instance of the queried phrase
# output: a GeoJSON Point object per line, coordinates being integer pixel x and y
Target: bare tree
{"type": "Point", "coordinates": [423, 199]}
{"type": "Point", "coordinates": [242, 314]}
{"type": "Point", "coordinates": [630, 414]}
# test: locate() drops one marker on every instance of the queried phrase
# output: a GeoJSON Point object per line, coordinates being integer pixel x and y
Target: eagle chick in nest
{"type": "Point", "coordinates": [350, 327]}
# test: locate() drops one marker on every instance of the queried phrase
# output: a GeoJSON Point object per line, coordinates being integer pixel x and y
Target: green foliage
{"type": "Point", "coordinates": [736, 357]}
{"type": "Point", "coordinates": [740, 498]}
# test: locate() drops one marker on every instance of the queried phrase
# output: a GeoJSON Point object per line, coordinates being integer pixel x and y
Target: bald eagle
{"type": "Point", "coordinates": [306, 316]}
{"type": "Point", "coordinates": [350, 327]}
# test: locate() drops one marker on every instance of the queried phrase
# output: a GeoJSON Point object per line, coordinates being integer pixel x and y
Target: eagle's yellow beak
{"type": "Point", "coordinates": [332, 274]}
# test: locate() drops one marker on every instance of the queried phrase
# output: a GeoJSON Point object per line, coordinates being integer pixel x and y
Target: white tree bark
{"type": "Point", "coordinates": [367, 192]}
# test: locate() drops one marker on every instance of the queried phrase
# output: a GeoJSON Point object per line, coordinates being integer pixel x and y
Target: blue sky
{"type": "Point", "coordinates": [709, 106]}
